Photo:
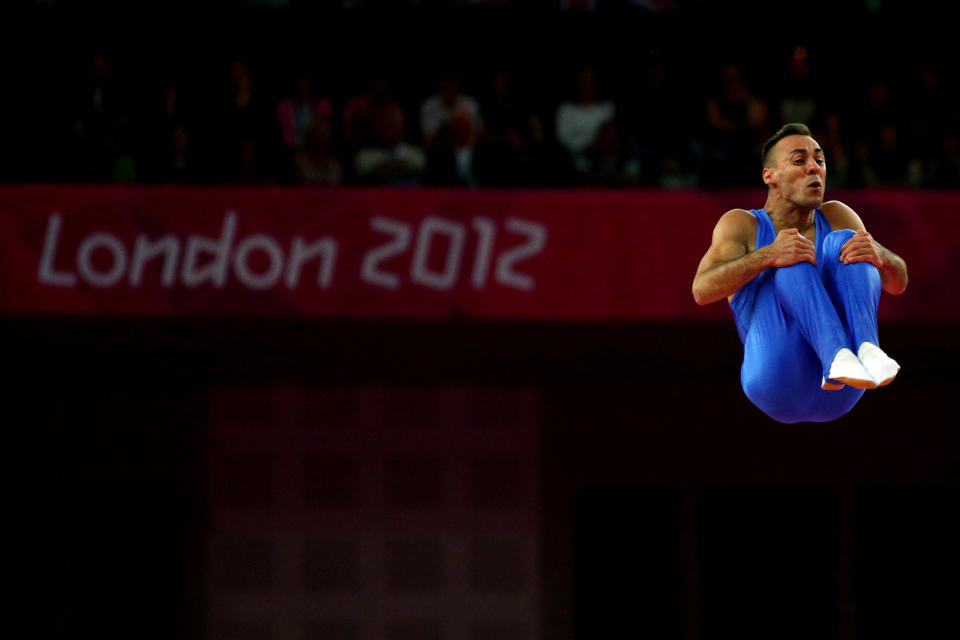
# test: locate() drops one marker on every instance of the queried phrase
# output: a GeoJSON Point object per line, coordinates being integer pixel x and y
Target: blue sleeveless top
{"type": "Point", "coordinates": [745, 299]}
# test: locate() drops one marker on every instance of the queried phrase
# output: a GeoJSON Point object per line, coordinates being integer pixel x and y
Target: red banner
{"type": "Point", "coordinates": [540, 255]}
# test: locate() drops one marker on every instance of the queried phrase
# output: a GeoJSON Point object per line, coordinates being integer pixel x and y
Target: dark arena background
{"type": "Point", "coordinates": [297, 350]}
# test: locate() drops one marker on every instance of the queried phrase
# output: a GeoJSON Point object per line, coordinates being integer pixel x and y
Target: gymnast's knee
{"type": "Point", "coordinates": [835, 240]}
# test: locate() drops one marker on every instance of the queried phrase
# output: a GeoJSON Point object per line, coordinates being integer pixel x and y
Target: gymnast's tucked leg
{"type": "Point", "coordinates": [855, 291]}
{"type": "Point", "coordinates": [800, 291]}
{"type": "Point", "coordinates": [781, 372]}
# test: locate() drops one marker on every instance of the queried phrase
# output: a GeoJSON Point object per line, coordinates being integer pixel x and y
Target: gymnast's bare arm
{"type": "Point", "coordinates": [863, 248]}
{"type": "Point", "coordinates": [731, 262]}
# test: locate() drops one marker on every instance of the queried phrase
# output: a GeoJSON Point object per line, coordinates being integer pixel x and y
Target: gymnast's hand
{"type": "Point", "coordinates": [789, 248]}
{"type": "Point", "coordinates": [861, 248]}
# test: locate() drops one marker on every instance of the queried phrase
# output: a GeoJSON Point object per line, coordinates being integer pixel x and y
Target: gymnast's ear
{"type": "Point", "coordinates": [769, 176]}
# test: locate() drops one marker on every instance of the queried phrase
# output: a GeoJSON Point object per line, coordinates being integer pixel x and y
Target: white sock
{"type": "Point", "coordinates": [846, 368]}
{"type": "Point", "coordinates": [881, 366]}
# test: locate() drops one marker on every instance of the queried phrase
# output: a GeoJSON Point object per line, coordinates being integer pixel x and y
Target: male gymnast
{"type": "Point", "coordinates": [803, 278]}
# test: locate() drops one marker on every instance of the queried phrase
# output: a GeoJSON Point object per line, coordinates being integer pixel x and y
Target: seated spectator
{"type": "Point", "coordinates": [166, 153]}
{"type": "Point", "coordinates": [798, 102]}
{"type": "Point", "coordinates": [578, 121]}
{"type": "Point", "coordinates": [889, 158]}
{"type": "Point", "coordinates": [438, 110]}
{"type": "Point", "coordinates": [929, 113]}
{"type": "Point", "coordinates": [99, 112]}
{"type": "Point", "coordinates": [295, 114]}
{"type": "Point", "coordinates": [612, 162]}
{"type": "Point", "coordinates": [450, 159]}
{"type": "Point", "coordinates": [450, 124]}
{"type": "Point", "coordinates": [242, 140]}
{"type": "Point", "coordinates": [176, 164]}
{"type": "Point", "coordinates": [390, 161]}
{"type": "Point", "coordinates": [510, 146]}
{"type": "Point", "coordinates": [122, 146]}
{"type": "Point", "coordinates": [876, 108]}
{"type": "Point", "coordinates": [737, 126]}
{"type": "Point", "coordinates": [830, 136]}
{"type": "Point", "coordinates": [314, 161]}
{"type": "Point", "coordinates": [861, 170]}
{"type": "Point", "coordinates": [362, 113]}
{"type": "Point", "coordinates": [943, 171]}
{"type": "Point", "coordinates": [660, 128]}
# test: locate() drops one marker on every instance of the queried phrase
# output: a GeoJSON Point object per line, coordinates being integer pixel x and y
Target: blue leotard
{"type": "Point", "coordinates": [793, 321]}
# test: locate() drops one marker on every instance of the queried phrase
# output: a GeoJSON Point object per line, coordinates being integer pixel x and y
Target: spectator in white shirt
{"type": "Point", "coordinates": [578, 122]}
{"type": "Point", "coordinates": [437, 111]}
{"type": "Point", "coordinates": [391, 161]}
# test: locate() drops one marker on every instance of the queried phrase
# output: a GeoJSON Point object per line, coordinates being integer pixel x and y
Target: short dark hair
{"type": "Point", "coordinates": [792, 129]}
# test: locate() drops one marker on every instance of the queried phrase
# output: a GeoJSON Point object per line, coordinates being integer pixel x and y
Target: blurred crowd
{"type": "Point", "coordinates": [490, 126]}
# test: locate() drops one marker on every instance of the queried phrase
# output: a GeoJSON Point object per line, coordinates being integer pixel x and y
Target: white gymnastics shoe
{"type": "Point", "coordinates": [846, 369]}
{"type": "Point", "coordinates": [882, 367]}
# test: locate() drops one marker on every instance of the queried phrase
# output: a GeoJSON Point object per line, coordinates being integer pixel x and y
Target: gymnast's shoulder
{"type": "Point", "coordinates": [736, 225]}
{"type": "Point", "coordinates": [737, 219]}
{"type": "Point", "coordinates": [840, 216]}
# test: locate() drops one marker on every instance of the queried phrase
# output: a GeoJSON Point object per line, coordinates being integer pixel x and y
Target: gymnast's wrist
{"type": "Point", "coordinates": [765, 256]}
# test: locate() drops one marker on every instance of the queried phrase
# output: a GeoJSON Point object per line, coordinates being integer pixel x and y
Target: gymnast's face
{"type": "Point", "coordinates": [799, 171]}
